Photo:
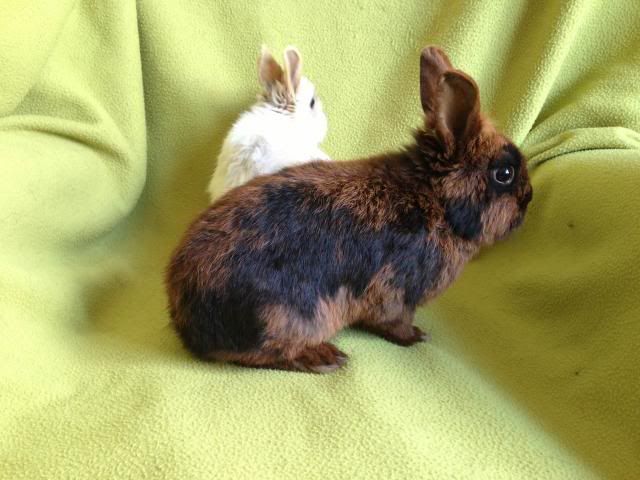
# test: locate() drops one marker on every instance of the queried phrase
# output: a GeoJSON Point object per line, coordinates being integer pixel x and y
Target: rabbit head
{"type": "Point", "coordinates": [287, 92]}
{"type": "Point", "coordinates": [479, 175]}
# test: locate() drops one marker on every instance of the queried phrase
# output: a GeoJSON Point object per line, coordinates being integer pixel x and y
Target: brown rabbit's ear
{"type": "Point", "coordinates": [292, 68]}
{"type": "Point", "coordinates": [269, 71]}
{"type": "Point", "coordinates": [433, 64]}
{"type": "Point", "coordinates": [450, 98]}
{"type": "Point", "coordinates": [459, 106]}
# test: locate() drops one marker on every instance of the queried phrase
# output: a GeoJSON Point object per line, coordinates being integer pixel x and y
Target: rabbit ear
{"type": "Point", "coordinates": [269, 72]}
{"type": "Point", "coordinates": [459, 105]}
{"type": "Point", "coordinates": [433, 64]}
{"type": "Point", "coordinates": [450, 98]}
{"type": "Point", "coordinates": [293, 68]}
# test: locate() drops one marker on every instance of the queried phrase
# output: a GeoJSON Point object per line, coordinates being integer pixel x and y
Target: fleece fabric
{"type": "Point", "coordinates": [112, 113]}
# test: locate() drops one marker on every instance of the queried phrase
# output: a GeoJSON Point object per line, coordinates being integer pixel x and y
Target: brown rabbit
{"type": "Point", "coordinates": [267, 275]}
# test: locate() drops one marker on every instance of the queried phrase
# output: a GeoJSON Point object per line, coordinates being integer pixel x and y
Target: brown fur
{"type": "Point", "coordinates": [458, 253]}
{"type": "Point", "coordinates": [380, 303]}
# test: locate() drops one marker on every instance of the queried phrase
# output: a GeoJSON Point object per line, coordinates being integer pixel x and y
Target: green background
{"type": "Point", "coordinates": [111, 117]}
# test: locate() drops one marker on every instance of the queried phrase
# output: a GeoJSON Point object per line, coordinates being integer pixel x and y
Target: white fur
{"type": "Point", "coordinates": [265, 140]}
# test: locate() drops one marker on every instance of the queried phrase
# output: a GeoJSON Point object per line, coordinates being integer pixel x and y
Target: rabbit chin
{"type": "Point", "coordinates": [500, 219]}
{"type": "Point", "coordinates": [498, 237]}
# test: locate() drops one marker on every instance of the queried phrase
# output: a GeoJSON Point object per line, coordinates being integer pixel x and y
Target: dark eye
{"type": "Point", "coordinates": [313, 102]}
{"type": "Point", "coordinates": [503, 175]}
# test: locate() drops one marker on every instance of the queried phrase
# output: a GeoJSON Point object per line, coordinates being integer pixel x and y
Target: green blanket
{"type": "Point", "coordinates": [111, 116]}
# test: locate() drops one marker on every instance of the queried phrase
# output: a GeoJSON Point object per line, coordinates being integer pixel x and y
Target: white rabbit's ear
{"type": "Point", "coordinates": [292, 68]}
{"type": "Point", "coordinates": [269, 71]}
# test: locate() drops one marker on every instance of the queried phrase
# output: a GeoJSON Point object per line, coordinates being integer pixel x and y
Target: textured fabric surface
{"type": "Point", "coordinates": [111, 116]}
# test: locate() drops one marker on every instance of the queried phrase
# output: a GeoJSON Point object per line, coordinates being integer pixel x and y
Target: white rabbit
{"type": "Point", "coordinates": [284, 128]}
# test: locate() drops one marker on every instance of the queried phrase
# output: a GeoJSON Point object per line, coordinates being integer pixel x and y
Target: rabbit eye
{"type": "Point", "coordinates": [503, 175]}
{"type": "Point", "coordinates": [313, 102]}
